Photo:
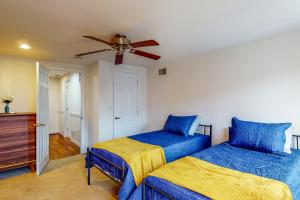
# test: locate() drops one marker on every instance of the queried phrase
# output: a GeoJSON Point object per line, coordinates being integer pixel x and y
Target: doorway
{"type": "Point", "coordinates": [65, 113]}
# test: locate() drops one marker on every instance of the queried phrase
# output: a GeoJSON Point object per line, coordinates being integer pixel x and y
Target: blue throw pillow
{"type": "Point", "coordinates": [179, 124]}
{"type": "Point", "coordinates": [264, 137]}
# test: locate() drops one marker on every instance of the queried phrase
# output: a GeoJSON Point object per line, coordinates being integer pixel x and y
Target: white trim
{"type": "Point", "coordinates": [75, 142]}
{"type": "Point", "coordinates": [54, 132]}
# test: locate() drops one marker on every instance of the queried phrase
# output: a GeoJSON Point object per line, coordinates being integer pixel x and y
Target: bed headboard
{"type": "Point", "coordinates": [205, 130]}
{"type": "Point", "coordinates": [296, 142]}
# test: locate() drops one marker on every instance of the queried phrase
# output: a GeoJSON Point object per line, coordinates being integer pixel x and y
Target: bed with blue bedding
{"type": "Point", "coordinates": [174, 147]}
{"type": "Point", "coordinates": [254, 148]}
{"type": "Point", "coordinates": [284, 168]}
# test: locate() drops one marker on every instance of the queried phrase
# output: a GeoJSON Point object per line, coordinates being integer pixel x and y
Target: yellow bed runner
{"type": "Point", "coordinates": [142, 158]}
{"type": "Point", "coordinates": [221, 183]}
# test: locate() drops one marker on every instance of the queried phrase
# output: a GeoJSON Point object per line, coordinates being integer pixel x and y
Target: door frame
{"type": "Point", "coordinates": [83, 129]}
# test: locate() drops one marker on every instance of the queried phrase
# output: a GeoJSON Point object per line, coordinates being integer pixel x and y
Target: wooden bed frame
{"type": "Point", "coordinates": [201, 129]}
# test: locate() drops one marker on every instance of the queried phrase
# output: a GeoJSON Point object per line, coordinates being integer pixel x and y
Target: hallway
{"type": "Point", "coordinates": [61, 147]}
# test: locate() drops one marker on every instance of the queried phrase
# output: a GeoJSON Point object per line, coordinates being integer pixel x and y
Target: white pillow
{"type": "Point", "coordinates": [288, 142]}
{"type": "Point", "coordinates": [194, 126]}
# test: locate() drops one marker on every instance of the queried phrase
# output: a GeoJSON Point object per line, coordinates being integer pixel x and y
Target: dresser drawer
{"type": "Point", "coordinates": [17, 140]}
{"type": "Point", "coordinates": [17, 122]}
{"type": "Point", "coordinates": [16, 133]}
{"type": "Point", "coordinates": [20, 156]}
{"type": "Point", "coordinates": [6, 147]}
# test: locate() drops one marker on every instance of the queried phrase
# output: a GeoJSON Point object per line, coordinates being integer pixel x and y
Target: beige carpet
{"type": "Point", "coordinates": [63, 179]}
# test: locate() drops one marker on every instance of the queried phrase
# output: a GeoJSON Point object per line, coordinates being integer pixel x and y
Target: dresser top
{"type": "Point", "coordinates": [16, 114]}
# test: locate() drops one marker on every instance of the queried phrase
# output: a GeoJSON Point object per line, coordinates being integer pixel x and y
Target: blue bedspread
{"type": "Point", "coordinates": [175, 147]}
{"type": "Point", "coordinates": [284, 168]}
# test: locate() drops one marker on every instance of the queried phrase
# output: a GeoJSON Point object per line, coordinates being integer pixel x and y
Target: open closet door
{"type": "Point", "coordinates": [42, 118]}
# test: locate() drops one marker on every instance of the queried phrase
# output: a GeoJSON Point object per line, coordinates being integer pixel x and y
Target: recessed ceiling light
{"type": "Point", "coordinates": [24, 46]}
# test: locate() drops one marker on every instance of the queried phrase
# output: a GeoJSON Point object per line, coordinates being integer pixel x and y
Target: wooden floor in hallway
{"type": "Point", "coordinates": [61, 147]}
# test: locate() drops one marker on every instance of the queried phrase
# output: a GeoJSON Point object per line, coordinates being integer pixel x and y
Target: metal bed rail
{"type": "Point", "coordinates": [296, 143]}
{"type": "Point", "coordinates": [156, 190]}
{"type": "Point", "coordinates": [205, 130]}
{"type": "Point", "coordinates": [201, 129]}
{"type": "Point", "coordinates": [91, 164]}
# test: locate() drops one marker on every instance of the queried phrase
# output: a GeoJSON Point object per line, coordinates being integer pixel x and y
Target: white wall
{"type": "Point", "coordinates": [75, 93]}
{"type": "Point", "coordinates": [92, 103]}
{"type": "Point", "coordinates": [100, 99]}
{"type": "Point", "coordinates": [54, 97]}
{"type": "Point", "coordinates": [106, 70]}
{"type": "Point", "coordinates": [75, 107]}
{"type": "Point", "coordinates": [257, 81]}
{"type": "Point", "coordinates": [18, 78]}
{"type": "Point", "coordinates": [61, 106]}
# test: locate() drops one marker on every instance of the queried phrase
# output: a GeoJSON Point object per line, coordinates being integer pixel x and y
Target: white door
{"type": "Point", "coordinates": [66, 109]}
{"type": "Point", "coordinates": [42, 135]}
{"type": "Point", "coordinates": [125, 103]}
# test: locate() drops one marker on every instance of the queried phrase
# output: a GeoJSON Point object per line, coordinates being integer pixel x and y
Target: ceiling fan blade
{"type": "Point", "coordinates": [91, 52]}
{"type": "Point", "coordinates": [145, 54]}
{"type": "Point", "coordinates": [119, 58]}
{"type": "Point", "coordinates": [97, 39]}
{"type": "Point", "coordinates": [145, 43]}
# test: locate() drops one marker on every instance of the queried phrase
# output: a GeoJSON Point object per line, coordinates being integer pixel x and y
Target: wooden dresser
{"type": "Point", "coordinates": [17, 141]}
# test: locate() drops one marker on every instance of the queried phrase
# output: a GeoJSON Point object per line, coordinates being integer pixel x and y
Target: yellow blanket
{"type": "Point", "coordinates": [142, 158]}
{"type": "Point", "coordinates": [221, 183]}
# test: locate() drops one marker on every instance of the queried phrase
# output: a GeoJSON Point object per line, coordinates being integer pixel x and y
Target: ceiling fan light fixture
{"type": "Point", "coordinates": [121, 44]}
{"type": "Point", "coordinates": [24, 46]}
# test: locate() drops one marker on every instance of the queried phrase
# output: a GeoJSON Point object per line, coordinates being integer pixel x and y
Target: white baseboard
{"type": "Point", "coordinates": [53, 132]}
{"type": "Point", "coordinates": [75, 142]}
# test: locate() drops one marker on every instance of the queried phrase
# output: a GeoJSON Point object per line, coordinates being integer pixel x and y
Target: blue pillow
{"type": "Point", "coordinates": [179, 124]}
{"type": "Point", "coordinates": [264, 137]}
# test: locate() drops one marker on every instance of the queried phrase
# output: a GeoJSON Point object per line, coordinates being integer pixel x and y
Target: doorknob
{"type": "Point", "coordinates": [117, 118]}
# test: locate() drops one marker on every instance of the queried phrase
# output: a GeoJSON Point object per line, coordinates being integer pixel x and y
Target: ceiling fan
{"type": "Point", "coordinates": [120, 44]}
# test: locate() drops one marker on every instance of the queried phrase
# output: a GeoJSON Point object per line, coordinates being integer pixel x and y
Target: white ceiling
{"type": "Point", "coordinates": [57, 73]}
{"type": "Point", "coordinates": [183, 27]}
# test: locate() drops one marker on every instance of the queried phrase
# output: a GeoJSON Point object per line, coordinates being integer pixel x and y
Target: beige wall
{"type": "Point", "coordinates": [17, 78]}
{"type": "Point", "coordinates": [256, 81]}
